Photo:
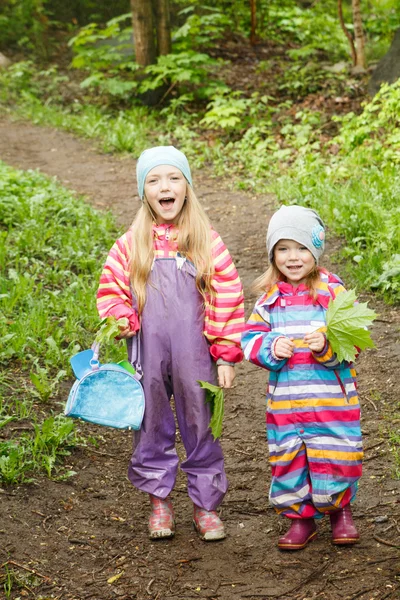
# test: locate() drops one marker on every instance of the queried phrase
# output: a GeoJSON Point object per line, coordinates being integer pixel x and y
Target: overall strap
{"type": "Point", "coordinates": [133, 344]}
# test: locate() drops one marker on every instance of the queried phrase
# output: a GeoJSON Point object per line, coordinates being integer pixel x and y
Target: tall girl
{"type": "Point", "coordinates": [313, 414]}
{"type": "Point", "coordinates": [172, 277]}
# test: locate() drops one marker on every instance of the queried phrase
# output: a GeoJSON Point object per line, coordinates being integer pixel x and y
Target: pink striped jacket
{"type": "Point", "coordinates": [224, 316]}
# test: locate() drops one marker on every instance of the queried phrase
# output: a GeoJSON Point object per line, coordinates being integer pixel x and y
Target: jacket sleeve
{"type": "Point", "coordinates": [224, 314]}
{"type": "Point", "coordinates": [258, 340]}
{"type": "Point", "coordinates": [114, 294]}
{"type": "Point", "coordinates": [327, 357]}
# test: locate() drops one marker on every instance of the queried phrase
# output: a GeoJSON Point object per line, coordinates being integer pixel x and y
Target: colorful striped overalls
{"type": "Point", "coordinates": [313, 414]}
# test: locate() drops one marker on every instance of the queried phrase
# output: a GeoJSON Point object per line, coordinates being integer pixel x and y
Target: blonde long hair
{"type": "Point", "coordinates": [194, 242]}
{"type": "Point", "coordinates": [272, 275]}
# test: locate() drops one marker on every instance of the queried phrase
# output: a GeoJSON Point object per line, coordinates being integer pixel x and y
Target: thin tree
{"type": "Point", "coordinates": [357, 43]}
{"type": "Point", "coordinates": [253, 12]}
{"type": "Point", "coordinates": [346, 32]}
{"type": "Point", "coordinates": [358, 34]}
{"type": "Point", "coordinates": [163, 26]}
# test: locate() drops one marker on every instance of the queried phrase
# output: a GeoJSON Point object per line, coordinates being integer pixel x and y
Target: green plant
{"type": "Point", "coordinates": [50, 274]}
{"type": "Point", "coordinates": [231, 111]}
{"type": "Point", "coordinates": [26, 23]}
{"type": "Point", "coordinates": [302, 79]}
{"type": "Point", "coordinates": [45, 385]}
{"type": "Point", "coordinates": [52, 440]}
{"type": "Point", "coordinates": [107, 54]}
{"type": "Point", "coordinates": [203, 27]}
{"type": "Point", "coordinates": [90, 51]}
{"type": "Point", "coordinates": [15, 461]}
{"type": "Point", "coordinates": [186, 71]}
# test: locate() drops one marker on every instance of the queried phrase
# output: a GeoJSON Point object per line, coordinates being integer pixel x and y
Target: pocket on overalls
{"type": "Point", "coordinates": [342, 386]}
{"type": "Point", "coordinates": [271, 387]}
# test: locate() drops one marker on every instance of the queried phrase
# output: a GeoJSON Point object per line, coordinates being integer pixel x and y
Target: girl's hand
{"type": "Point", "coordinates": [315, 341]}
{"type": "Point", "coordinates": [284, 348]}
{"type": "Point", "coordinates": [226, 375]}
{"type": "Point", "coordinates": [125, 332]}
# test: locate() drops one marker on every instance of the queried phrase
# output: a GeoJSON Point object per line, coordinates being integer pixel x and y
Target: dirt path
{"type": "Point", "coordinates": [77, 535]}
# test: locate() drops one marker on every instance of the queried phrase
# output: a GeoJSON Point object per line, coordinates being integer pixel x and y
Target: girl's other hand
{"type": "Point", "coordinates": [125, 332]}
{"type": "Point", "coordinates": [284, 347]}
{"type": "Point", "coordinates": [226, 375]}
{"type": "Point", "coordinates": [315, 341]}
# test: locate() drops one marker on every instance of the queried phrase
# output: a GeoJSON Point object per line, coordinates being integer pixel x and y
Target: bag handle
{"type": "Point", "coordinates": [133, 355]}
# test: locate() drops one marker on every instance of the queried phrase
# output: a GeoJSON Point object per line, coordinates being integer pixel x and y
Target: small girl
{"type": "Point", "coordinates": [172, 277]}
{"type": "Point", "coordinates": [313, 414]}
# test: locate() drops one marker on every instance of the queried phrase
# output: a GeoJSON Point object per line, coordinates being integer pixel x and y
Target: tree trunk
{"type": "Point", "coordinates": [253, 9]}
{"type": "Point", "coordinates": [143, 32]}
{"type": "Point", "coordinates": [163, 26]}
{"type": "Point", "coordinates": [347, 33]}
{"type": "Point", "coordinates": [358, 34]}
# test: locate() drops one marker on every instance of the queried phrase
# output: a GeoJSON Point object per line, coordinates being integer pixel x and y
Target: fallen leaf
{"type": "Point", "coordinates": [115, 578]}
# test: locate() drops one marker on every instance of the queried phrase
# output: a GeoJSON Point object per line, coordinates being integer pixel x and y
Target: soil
{"type": "Point", "coordinates": [87, 537]}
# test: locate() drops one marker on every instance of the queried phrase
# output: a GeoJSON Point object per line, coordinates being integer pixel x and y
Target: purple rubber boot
{"type": "Point", "coordinates": [344, 531]}
{"type": "Point", "coordinates": [301, 532]}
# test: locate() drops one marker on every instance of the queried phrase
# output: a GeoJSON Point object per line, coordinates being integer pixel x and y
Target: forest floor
{"type": "Point", "coordinates": [87, 537]}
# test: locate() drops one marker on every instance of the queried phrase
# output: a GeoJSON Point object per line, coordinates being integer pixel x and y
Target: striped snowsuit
{"type": "Point", "coordinates": [313, 414]}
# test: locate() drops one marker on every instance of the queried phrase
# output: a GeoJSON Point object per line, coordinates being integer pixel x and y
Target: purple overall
{"type": "Point", "coordinates": [174, 355]}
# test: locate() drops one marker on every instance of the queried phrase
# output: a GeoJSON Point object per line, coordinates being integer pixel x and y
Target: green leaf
{"type": "Point", "coordinates": [346, 323]}
{"type": "Point", "coordinates": [109, 329]}
{"type": "Point", "coordinates": [215, 396]}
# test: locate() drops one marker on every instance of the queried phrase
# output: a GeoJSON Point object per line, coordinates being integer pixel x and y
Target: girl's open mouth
{"type": "Point", "coordinates": [167, 202]}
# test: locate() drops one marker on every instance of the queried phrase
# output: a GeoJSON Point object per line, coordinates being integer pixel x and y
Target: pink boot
{"type": "Point", "coordinates": [301, 532]}
{"type": "Point", "coordinates": [344, 531]}
{"type": "Point", "coordinates": [162, 518]}
{"type": "Point", "coordinates": [208, 524]}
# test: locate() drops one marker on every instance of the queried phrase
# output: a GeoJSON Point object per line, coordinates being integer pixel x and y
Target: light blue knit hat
{"type": "Point", "coordinates": [160, 155]}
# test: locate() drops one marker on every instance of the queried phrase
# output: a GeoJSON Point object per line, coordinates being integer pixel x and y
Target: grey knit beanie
{"type": "Point", "coordinates": [303, 225]}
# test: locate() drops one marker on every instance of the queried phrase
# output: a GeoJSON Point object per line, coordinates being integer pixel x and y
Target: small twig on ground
{"type": "Point", "coordinates": [371, 457]}
{"type": "Point", "coordinates": [242, 452]}
{"type": "Point", "coordinates": [371, 402]}
{"type": "Point", "coordinates": [149, 586]}
{"type": "Point", "coordinates": [81, 542]}
{"type": "Point", "coordinates": [44, 523]}
{"type": "Point", "coordinates": [374, 446]}
{"type": "Point", "coordinates": [375, 562]}
{"type": "Point", "coordinates": [381, 541]}
{"type": "Point", "coordinates": [12, 562]}
{"type": "Point", "coordinates": [91, 451]}
{"type": "Point", "coordinates": [360, 593]}
{"type": "Point", "coordinates": [297, 587]}
{"type": "Point", "coordinates": [380, 504]}
{"type": "Point", "coordinates": [388, 594]}
{"type": "Point", "coordinates": [188, 560]}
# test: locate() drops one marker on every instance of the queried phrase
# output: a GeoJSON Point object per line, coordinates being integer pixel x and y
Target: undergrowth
{"type": "Point", "coordinates": [53, 247]}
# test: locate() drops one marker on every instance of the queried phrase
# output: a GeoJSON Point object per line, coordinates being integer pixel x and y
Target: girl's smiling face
{"type": "Point", "coordinates": [165, 191]}
{"type": "Point", "coordinates": [294, 261]}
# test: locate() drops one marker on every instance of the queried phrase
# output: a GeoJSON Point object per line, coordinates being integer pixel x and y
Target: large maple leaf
{"type": "Point", "coordinates": [346, 323]}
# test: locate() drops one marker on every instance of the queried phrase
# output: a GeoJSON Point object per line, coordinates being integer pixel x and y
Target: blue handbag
{"type": "Point", "coordinates": [109, 394]}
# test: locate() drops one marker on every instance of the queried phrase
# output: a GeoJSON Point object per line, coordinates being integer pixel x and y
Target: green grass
{"type": "Point", "coordinates": [53, 247]}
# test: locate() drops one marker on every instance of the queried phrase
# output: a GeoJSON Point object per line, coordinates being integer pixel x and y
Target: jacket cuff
{"type": "Point", "coordinates": [274, 356]}
{"type": "Point", "coordinates": [230, 354]}
{"type": "Point", "coordinates": [221, 361]}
